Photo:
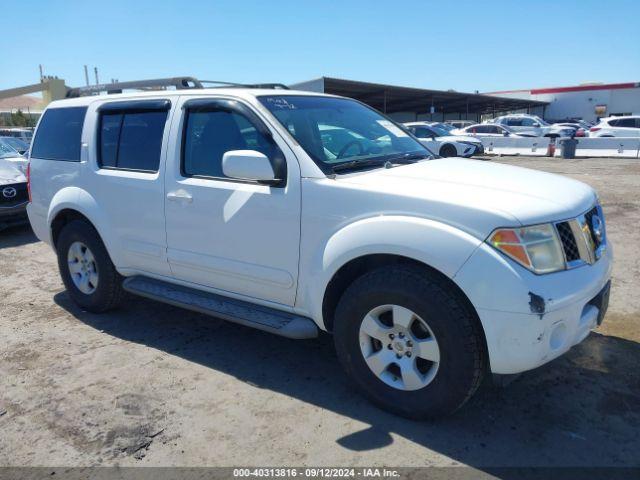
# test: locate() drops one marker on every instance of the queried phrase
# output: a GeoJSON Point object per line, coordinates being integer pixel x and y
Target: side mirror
{"type": "Point", "coordinates": [536, 124]}
{"type": "Point", "coordinates": [248, 165]}
{"type": "Point", "coordinates": [505, 133]}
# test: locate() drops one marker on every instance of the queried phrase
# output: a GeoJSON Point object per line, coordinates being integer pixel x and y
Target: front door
{"type": "Point", "coordinates": [233, 235]}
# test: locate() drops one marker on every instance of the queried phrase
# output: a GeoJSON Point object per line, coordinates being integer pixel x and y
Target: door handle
{"type": "Point", "coordinates": [180, 196]}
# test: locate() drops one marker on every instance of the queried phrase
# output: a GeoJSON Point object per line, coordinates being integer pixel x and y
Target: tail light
{"type": "Point", "coordinates": [29, 180]}
{"type": "Point", "coordinates": [580, 132]}
{"type": "Point", "coordinates": [594, 129]}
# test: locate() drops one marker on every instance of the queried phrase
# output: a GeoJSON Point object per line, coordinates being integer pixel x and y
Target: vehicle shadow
{"type": "Point", "coordinates": [16, 236]}
{"type": "Point", "coordinates": [580, 410]}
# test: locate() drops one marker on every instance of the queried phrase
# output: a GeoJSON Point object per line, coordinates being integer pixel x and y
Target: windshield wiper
{"type": "Point", "coordinates": [404, 159]}
{"type": "Point", "coordinates": [409, 158]}
{"type": "Point", "coordinates": [354, 164]}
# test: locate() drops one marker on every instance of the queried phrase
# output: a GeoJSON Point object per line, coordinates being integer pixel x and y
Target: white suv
{"type": "Point", "coordinates": [295, 212]}
{"type": "Point", "coordinates": [532, 124]}
{"type": "Point", "coordinates": [617, 127]}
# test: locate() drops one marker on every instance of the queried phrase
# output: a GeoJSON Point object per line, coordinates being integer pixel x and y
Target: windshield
{"type": "Point", "coordinates": [334, 131]}
{"type": "Point", "coordinates": [439, 131]}
{"type": "Point", "coordinates": [15, 142]}
{"type": "Point", "coordinates": [541, 121]}
{"type": "Point", "coordinates": [6, 151]}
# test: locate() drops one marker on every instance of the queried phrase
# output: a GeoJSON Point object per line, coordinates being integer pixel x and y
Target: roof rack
{"type": "Point", "coordinates": [279, 86]}
{"type": "Point", "coordinates": [179, 83]}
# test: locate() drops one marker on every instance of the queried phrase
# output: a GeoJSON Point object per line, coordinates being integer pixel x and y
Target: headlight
{"type": "Point", "coordinates": [537, 247]}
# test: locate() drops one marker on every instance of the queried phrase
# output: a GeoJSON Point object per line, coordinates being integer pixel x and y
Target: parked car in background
{"type": "Point", "coordinates": [440, 141]}
{"type": "Point", "coordinates": [459, 123]}
{"type": "Point", "coordinates": [490, 130]}
{"type": "Point", "coordinates": [532, 124]}
{"type": "Point", "coordinates": [13, 190]}
{"type": "Point", "coordinates": [579, 130]}
{"type": "Point", "coordinates": [444, 126]}
{"type": "Point", "coordinates": [10, 154]}
{"type": "Point", "coordinates": [628, 126]}
{"type": "Point", "coordinates": [16, 143]}
{"type": "Point", "coordinates": [24, 133]}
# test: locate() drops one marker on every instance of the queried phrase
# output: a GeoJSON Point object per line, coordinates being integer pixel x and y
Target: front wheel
{"type": "Point", "coordinates": [408, 343]}
{"type": "Point", "coordinates": [448, 151]}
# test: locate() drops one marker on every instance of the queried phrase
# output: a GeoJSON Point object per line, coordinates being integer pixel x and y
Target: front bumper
{"type": "Point", "coordinates": [13, 215]}
{"type": "Point", "coordinates": [531, 319]}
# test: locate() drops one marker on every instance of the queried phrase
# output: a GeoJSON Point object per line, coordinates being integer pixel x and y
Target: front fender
{"type": "Point", "coordinates": [442, 247]}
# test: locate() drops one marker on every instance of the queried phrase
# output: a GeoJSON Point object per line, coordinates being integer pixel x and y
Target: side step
{"type": "Point", "coordinates": [256, 316]}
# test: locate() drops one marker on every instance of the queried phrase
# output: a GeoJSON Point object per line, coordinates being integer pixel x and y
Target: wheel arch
{"type": "Point", "coordinates": [381, 240]}
{"type": "Point", "coordinates": [447, 145]}
{"type": "Point", "coordinates": [70, 204]}
{"type": "Point", "coordinates": [357, 267]}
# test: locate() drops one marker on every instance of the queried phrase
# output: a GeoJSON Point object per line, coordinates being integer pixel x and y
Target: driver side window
{"type": "Point", "coordinates": [209, 134]}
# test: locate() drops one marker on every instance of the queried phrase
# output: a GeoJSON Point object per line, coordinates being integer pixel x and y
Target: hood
{"type": "Point", "coordinates": [10, 172]}
{"type": "Point", "coordinates": [476, 196]}
{"type": "Point", "coordinates": [459, 138]}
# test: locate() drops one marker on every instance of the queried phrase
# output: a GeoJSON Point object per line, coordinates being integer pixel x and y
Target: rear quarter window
{"type": "Point", "coordinates": [59, 134]}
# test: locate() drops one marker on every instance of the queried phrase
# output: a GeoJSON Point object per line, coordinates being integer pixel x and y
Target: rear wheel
{"type": "Point", "coordinates": [409, 343]}
{"type": "Point", "coordinates": [86, 268]}
{"type": "Point", "coordinates": [448, 151]}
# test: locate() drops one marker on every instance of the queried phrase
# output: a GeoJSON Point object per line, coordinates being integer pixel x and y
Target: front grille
{"type": "Point", "coordinates": [568, 240]}
{"type": "Point", "coordinates": [589, 219]}
{"type": "Point", "coordinates": [21, 195]}
{"type": "Point", "coordinates": [583, 238]}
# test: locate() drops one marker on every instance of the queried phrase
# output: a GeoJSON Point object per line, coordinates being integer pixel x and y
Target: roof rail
{"type": "Point", "coordinates": [179, 83]}
{"type": "Point", "coordinates": [280, 86]}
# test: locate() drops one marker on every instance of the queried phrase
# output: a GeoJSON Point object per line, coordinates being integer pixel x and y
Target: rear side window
{"type": "Point", "coordinates": [59, 134]}
{"type": "Point", "coordinates": [131, 139]}
{"type": "Point", "coordinates": [623, 122]}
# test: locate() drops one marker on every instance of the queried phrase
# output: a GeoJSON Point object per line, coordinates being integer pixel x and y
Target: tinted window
{"type": "Point", "coordinates": [132, 140]}
{"type": "Point", "coordinates": [623, 122]}
{"type": "Point", "coordinates": [59, 134]}
{"type": "Point", "coordinates": [109, 133]}
{"type": "Point", "coordinates": [209, 135]}
{"type": "Point", "coordinates": [423, 132]}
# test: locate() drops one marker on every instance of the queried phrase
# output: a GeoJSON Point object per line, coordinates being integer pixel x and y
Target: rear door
{"type": "Point", "coordinates": [237, 236]}
{"type": "Point", "coordinates": [125, 178]}
{"type": "Point", "coordinates": [626, 127]}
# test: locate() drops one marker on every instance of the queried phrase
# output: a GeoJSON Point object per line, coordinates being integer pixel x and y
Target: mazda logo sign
{"type": "Point", "coordinates": [9, 192]}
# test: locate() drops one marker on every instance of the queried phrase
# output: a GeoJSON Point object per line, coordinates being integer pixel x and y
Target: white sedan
{"type": "Point", "coordinates": [490, 130]}
{"type": "Point", "coordinates": [442, 142]}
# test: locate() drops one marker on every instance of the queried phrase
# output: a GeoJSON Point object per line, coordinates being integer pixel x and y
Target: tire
{"type": "Point", "coordinates": [462, 361]}
{"type": "Point", "coordinates": [107, 292]}
{"type": "Point", "coordinates": [448, 151]}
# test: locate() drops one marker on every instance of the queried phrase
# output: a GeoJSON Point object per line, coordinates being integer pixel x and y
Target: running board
{"type": "Point", "coordinates": [256, 316]}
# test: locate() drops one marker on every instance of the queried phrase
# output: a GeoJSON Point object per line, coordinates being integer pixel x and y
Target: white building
{"type": "Point", "coordinates": [588, 102]}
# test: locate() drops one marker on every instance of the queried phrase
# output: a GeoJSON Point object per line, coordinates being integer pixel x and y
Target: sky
{"type": "Point", "coordinates": [463, 45]}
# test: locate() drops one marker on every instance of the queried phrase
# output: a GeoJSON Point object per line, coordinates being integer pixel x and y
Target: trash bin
{"type": "Point", "coordinates": [568, 147]}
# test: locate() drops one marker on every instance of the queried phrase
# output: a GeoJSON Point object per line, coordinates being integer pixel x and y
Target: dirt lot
{"type": "Point", "coordinates": [155, 385]}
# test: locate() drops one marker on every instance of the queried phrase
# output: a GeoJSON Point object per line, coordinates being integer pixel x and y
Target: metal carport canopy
{"type": "Point", "coordinates": [392, 99]}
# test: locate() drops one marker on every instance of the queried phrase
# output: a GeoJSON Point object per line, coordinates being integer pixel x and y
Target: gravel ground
{"type": "Point", "coordinates": [151, 384]}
